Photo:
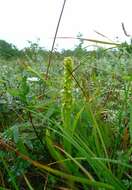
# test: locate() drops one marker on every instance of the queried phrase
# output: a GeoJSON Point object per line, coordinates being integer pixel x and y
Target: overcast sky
{"type": "Point", "coordinates": [22, 20]}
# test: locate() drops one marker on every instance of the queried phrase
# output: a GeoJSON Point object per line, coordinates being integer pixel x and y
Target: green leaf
{"type": "Point", "coordinates": [24, 86]}
{"type": "Point", "coordinates": [13, 92]}
{"type": "Point", "coordinates": [15, 133]}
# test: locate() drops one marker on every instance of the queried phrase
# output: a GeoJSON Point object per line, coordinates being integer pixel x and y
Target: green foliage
{"type": "Point", "coordinates": [34, 53]}
{"type": "Point", "coordinates": [72, 130]}
{"type": "Point", "coordinates": [8, 51]}
{"type": "Point", "coordinates": [22, 92]}
{"type": "Point", "coordinates": [126, 47]}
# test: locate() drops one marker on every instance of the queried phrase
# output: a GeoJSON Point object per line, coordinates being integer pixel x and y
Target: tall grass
{"type": "Point", "coordinates": [86, 146]}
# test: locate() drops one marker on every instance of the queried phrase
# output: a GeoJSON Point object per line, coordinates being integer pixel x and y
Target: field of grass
{"type": "Point", "coordinates": [70, 130]}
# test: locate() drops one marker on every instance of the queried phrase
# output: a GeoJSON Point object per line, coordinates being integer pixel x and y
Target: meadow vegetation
{"type": "Point", "coordinates": [72, 129]}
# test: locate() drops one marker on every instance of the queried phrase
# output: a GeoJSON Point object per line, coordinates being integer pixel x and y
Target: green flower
{"type": "Point", "coordinates": [67, 98]}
